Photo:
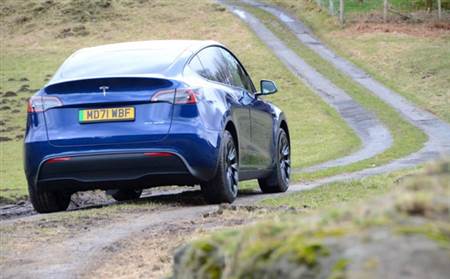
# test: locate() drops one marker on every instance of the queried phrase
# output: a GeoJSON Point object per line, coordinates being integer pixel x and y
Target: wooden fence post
{"type": "Point", "coordinates": [331, 7]}
{"type": "Point", "coordinates": [341, 12]}
{"type": "Point", "coordinates": [385, 10]}
{"type": "Point", "coordinates": [439, 10]}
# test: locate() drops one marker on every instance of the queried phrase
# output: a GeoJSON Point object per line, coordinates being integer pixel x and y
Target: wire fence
{"type": "Point", "coordinates": [391, 8]}
{"type": "Point", "coordinates": [328, 5]}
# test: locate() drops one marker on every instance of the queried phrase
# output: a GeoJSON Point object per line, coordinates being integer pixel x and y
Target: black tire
{"type": "Point", "coordinates": [278, 180]}
{"type": "Point", "coordinates": [48, 201]}
{"type": "Point", "coordinates": [126, 194]}
{"type": "Point", "coordinates": [223, 187]}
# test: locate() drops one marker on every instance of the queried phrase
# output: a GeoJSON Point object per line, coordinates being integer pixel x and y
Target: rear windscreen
{"type": "Point", "coordinates": [113, 85]}
{"type": "Point", "coordinates": [117, 62]}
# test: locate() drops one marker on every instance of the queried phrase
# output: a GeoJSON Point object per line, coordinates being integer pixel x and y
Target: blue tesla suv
{"type": "Point", "coordinates": [129, 116]}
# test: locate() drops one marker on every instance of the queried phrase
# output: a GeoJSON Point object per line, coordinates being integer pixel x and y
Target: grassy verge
{"type": "Point", "coordinates": [412, 59]}
{"type": "Point", "coordinates": [36, 40]}
{"type": "Point", "coordinates": [336, 194]}
{"type": "Point", "coordinates": [407, 138]}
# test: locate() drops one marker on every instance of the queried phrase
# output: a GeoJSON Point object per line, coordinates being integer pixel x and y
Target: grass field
{"type": "Point", "coordinates": [407, 138]}
{"type": "Point", "coordinates": [412, 59]}
{"type": "Point", "coordinates": [36, 40]}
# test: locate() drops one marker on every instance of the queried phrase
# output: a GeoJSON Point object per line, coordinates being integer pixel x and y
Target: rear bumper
{"type": "Point", "coordinates": [107, 167]}
{"type": "Point", "coordinates": [112, 167]}
{"type": "Point", "coordinates": [106, 171]}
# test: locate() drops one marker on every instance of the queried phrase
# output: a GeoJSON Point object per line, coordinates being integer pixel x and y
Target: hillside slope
{"type": "Point", "coordinates": [38, 35]}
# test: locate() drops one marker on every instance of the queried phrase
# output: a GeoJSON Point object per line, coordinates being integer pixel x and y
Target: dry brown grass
{"type": "Point", "coordinates": [149, 254]}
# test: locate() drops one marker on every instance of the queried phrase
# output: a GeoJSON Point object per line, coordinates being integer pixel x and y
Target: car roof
{"type": "Point", "coordinates": [173, 45]}
{"type": "Point", "coordinates": [178, 51]}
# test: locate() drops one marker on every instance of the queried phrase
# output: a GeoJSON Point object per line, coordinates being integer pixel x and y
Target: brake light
{"type": "Point", "coordinates": [42, 103]}
{"type": "Point", "coordinates": [176, 96]}
{"type": "Point", "coordinates": [58, 159]}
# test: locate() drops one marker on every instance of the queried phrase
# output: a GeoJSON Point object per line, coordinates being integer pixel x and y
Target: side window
{"type": "Point", "coordinates": [216, 68]}
{"type": "Point", "coordinates": [248, 84]}
{"type": "Point", "coordinates": [238, 76]}
{"type": "Point", "coordinates": [232, 66]}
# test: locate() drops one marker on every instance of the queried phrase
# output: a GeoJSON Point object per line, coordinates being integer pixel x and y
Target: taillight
{"type": "Point", "coordinates": [42, 103]}
{"type": "Point", "coordinates": [176, 96]}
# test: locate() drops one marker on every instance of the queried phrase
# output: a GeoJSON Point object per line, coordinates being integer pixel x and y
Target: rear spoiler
{"type": "Point", "coordinates": [111, 84]}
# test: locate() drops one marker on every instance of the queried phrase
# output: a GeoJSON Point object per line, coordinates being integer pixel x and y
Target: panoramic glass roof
{"type": "Point", "coordinates": [118, 62]}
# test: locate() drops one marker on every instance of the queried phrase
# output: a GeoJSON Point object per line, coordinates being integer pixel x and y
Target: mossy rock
{"type": "Point", "coordinates": [404, 232]}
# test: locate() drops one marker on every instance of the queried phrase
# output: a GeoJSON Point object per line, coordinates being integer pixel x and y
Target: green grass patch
{"type": "Point", "coordinates": [13, 184]}
{"type": "Point", "coordinates": [338, 193]}
{"type": "Point", "coordinates": [407, 138]}
{"type": "Point", "coordinates": [36, 41]}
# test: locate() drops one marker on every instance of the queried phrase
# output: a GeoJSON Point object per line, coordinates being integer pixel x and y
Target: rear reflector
{"type": "Point", "coordinates": [57, 160]}
{"type": "Point", "coordinates": [158, 154]}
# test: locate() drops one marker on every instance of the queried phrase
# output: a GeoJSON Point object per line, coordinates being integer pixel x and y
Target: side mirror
{"type": "Point", "coordinates": [267, 87]}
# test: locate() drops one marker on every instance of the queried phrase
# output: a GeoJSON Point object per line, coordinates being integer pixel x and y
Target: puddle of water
{"type": "Point", "coordinates": [240, 14]}
{"type": "Point", "coordinates": [285, 18]}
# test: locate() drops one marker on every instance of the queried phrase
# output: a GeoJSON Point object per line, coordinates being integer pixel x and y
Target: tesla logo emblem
{"type": "Point", "coordinates": [104, 88]}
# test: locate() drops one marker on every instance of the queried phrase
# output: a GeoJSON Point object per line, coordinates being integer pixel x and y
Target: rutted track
{"type": "Point", "coordinates": [437, 130]}
{"type": "Point", "coordinates": [375, 137]}
{"type": "Point", "coordinates": [73, 256]}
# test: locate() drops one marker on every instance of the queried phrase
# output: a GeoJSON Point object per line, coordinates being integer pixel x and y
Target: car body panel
{"type": "Point", "coordinates": [192, 133]}
{"type": "Point", "coordinates": [152, 121]}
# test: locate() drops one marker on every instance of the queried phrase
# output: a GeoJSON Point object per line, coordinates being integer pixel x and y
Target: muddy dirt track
{"type": "Point", "coordinates": [136, 243]}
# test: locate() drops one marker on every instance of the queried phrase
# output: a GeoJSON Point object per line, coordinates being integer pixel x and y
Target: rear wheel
{"type": "Point", "coordinates": [278, 180]}
{"type": "Point", "coordinates": [224, 186]}
{"type": "Point", "coordinates": [126, 194]}
{"type": "Point", "coordinates": [48, 201]}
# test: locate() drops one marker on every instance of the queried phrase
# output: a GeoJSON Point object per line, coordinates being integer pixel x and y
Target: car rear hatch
{"type": "Point", "coordinates": [105, 111]}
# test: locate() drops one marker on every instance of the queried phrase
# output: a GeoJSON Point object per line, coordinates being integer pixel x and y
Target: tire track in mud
{"type": "Point", "coordinates": [70, 258]}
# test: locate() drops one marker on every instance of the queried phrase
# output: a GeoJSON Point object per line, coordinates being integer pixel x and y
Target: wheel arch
{"type": "Point", "coordinates": [230, 127]}
{"type": "Point", "coordinates": [284, 126]}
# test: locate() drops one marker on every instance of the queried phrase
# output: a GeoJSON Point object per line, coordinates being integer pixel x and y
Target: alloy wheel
{"type": "Point", "coordinates": [285, 158]}
{"type": "Point", "coordinates": [232, 167]}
